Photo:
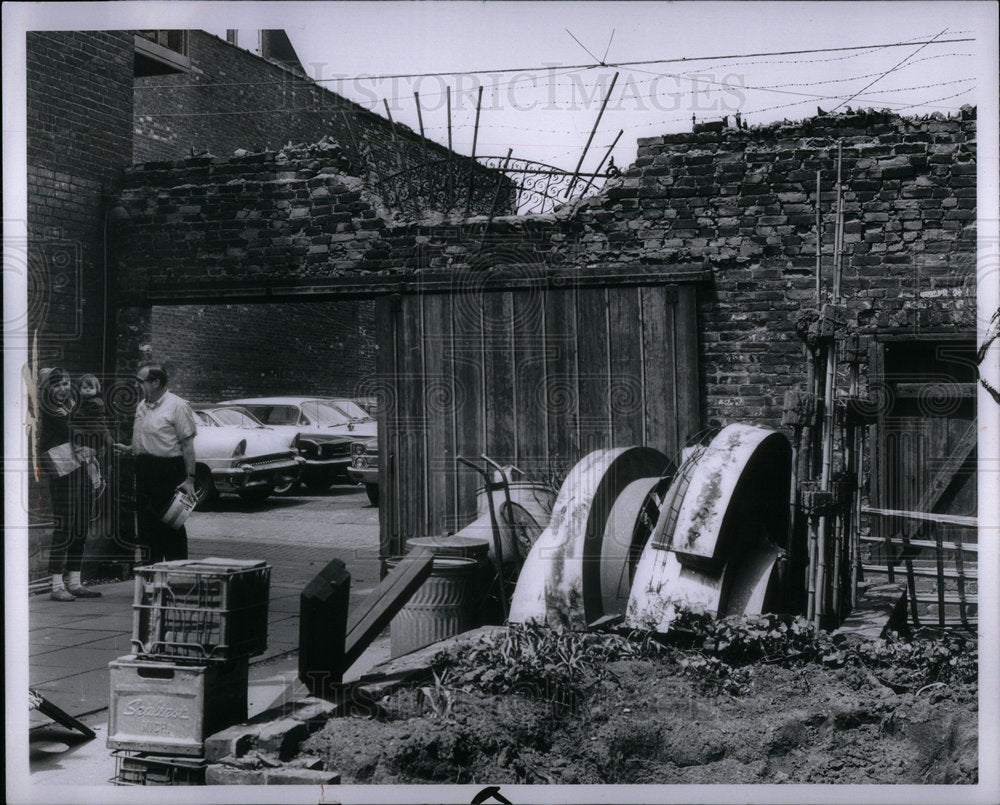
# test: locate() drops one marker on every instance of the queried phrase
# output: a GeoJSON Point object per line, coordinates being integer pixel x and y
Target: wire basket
{"type": "Point", "coordinates": [201, 610]}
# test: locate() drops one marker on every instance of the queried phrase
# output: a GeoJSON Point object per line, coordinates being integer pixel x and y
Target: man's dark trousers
{"type": "Point", "coordinates": [156, 480]}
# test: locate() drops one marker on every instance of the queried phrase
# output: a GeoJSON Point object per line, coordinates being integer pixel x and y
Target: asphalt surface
{"type": "Point", "coordinates": [71, 644]}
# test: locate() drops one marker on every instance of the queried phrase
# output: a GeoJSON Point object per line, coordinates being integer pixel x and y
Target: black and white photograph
{"type": "Point", "coordinates": [501, 402]}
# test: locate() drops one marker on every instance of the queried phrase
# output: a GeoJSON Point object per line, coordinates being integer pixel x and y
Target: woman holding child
{"type": "Point", "coordinates": [69, 463]}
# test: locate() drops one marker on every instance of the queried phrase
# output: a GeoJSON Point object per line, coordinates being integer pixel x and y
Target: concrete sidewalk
{"type": "Point", "coordinates": [71, 644]}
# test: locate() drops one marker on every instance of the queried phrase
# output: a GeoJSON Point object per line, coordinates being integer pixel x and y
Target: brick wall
{"type": "Point", "coordinates": [740, 202]}
{"type": "Point", "coordinates": [216, 352]}
{"type": "Point", "coordinates": [79, 111]}
{"type": "Point", "coordinates": [234, 100]}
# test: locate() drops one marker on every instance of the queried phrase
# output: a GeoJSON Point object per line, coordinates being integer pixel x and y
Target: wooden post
{"type": "Point", "coordinates": [590, 139]}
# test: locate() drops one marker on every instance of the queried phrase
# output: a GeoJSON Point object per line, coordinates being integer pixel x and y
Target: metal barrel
{"type": "Point", "coordinates": [444, 605]}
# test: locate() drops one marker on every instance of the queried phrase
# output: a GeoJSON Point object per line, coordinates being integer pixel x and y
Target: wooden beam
{"type": "Point", "coordinates": [933, 517]}
{"type": "Point", "coordinates": [375, 284]}
{"type": "Point", "coordinates": [385, 601]}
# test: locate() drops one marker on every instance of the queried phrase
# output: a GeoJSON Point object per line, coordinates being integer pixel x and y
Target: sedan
{"type": "Point", "coordinates": [241, 456]}
{"type": "Point", "coordinates": [326, 428]}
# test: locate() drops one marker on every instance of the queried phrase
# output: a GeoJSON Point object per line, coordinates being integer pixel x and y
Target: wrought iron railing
{"type": "Point", "coordinates": [492, 185]}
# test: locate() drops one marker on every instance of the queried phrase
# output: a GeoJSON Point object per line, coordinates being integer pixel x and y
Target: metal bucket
{"type": "Point", "coordinates": [443, 606]}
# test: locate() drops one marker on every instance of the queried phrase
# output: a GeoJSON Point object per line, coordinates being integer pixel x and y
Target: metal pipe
{"type": "Point", "coordinates": [451, 156]}
{"type": "Point", "coordinates": [472, 164]}
{"type": "Point", "coordinates": [590, 139]}
{"type": "Point", "coordinates": [819, 250]}
{"type": "Point", "coordinates": [392, 123]}
{"type": "Point", "coordinates": [590, 181]}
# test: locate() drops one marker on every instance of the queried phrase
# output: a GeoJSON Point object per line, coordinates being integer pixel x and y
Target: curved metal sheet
{"type": "Point", "coordinates": [713, 548]}
{"type": "Point", "coordinates": [740, 482]}
{"type": "Point", "coordinates": [618, 546]}
{"type": "Point", "coordinates": [560, 582]}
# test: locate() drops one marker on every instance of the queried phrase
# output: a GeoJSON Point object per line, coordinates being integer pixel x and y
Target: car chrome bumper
{"type": "Point", "coordinates": [249, 476]}
{"type": "Point", "coordinates": [369, 475]}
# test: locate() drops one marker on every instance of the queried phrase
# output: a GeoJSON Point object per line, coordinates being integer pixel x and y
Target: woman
{"type": "Point", "coordinates": [70, 489]}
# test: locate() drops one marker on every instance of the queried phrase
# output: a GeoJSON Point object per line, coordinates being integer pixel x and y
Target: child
{"type": "Point", "coordinates": [90, 427]}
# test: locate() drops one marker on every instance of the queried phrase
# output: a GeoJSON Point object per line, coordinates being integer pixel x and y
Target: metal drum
{"type": "Point", "coordinates": [444, 606]}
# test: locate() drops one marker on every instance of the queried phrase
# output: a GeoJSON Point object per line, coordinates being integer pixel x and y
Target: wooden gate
{"type": "Point", "coordinates": [924, 479]}
{"type": "Point", "coordinates": [535, 376]}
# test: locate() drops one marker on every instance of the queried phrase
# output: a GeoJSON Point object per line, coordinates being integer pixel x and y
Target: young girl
{"type": "Point", "coordinates": [91, 435]}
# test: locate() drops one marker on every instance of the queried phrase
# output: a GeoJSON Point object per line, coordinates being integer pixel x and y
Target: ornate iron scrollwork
{"type": "Point", "coordinates": [496, 186]}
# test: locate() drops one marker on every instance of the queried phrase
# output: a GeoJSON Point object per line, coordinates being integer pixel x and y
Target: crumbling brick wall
{"type": "Point", "coordinates": [739, 203]}
{"type": "Point", "coordinates": [233, 100]}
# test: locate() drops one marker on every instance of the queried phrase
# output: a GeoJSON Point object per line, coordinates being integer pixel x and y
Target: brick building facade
{"type": "Point", "coordinates": [79, 119]}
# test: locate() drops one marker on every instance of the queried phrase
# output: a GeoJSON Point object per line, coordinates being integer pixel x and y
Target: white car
{"type": "Point", "coordinates": [235, 453]}
{"type": "Point", "coordinates": [326, 427]}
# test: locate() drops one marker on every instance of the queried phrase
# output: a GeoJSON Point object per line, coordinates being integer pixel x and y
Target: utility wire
{"type": "Point", "coordinates": [646, 61]}
{"type": "Point", "coordinates": [891, 69]}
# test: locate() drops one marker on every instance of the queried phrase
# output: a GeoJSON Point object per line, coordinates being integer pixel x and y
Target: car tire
{"type": "Point", "coordinates": [256, 495]}
{"type": "Point", "coordinates": [286, 487]}
{"type": "Point", "coordinates": [372, 490]}
{"type": "Point", "coordinates": [205, 492]}
{"type": "Point", "coordinates": [319, 483]}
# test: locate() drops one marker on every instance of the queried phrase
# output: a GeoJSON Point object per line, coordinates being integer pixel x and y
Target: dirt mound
{"type": "Point", "coordinates": [647, 720]}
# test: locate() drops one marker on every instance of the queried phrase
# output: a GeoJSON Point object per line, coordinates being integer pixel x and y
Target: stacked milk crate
{"type": "Point", "coordinates": [196, 623]}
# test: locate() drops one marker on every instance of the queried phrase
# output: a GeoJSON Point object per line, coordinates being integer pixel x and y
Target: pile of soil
{"type": "Point", "coordinates": [646, 720]}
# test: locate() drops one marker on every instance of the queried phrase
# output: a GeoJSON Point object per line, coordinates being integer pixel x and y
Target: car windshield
{"type": "Point", "coordinates": [232, 416]}
{"type": "Point", "coordinates": [348, 408]}
{"type": "Point", "coordinates": [323, 413]}
{"type": "Point", "coordinates": [275, 414]}
{"type": "Point", "coordinates": [205, 419]}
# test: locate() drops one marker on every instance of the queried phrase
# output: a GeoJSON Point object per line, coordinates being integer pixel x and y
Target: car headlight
{"type": "Point", "coordinates": [240, 450]}
{"type": "Point", "coordinates": [358, 449]}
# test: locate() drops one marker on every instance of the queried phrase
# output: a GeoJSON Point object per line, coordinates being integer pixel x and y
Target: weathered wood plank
{"type": "Point", "coordinates": [470, 422]}
{"type": "Point", "coordinates": [498, 338]}
{"type": "Point", "coordinates": [626, 369]}
{"type": "Point", "coordinates": [658, 361]}
{"type": "Point", "coordinates": [386, 372]}
{"type": "Point", "coordinates": [686, 362]}
{"type": "Point", "coordinates": [385, 601]}
{"type": "Point", "coordinates": [561, 394]}
{"type": "Point", "coordinates": [439, 409]}
{"type": "Point", "coordinates": [412, 485]}
{"type": "Point", "coordinates": [530, 416]}
{"type": "Point", "coordinates": [593, 372]}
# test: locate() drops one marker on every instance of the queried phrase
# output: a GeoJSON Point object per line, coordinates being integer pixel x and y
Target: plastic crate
{"type": "Point", "coordinates": [141, 768]}
{"type": "Point", "coordinates": [168, 708]}
{"type": "Point", "coordinates": [201, 610]}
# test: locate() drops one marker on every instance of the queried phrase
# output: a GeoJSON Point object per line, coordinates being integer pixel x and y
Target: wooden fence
{"type": "Point", "coordinates": [536, 374]}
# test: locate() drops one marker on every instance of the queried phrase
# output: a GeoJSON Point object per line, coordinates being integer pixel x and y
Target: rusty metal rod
{"type": "Point", "coordinates": [819, 250]}
{"type": "Point", "coordinates": [590, 181]}
{"type": "Point", "coordinates": [451, 155]}
{"type": "Point", "coordinates": [392, 123]}
{"type": "Point", "coordinates": [475, 139]}
{"type": "Point", "coordinates": [590, 139]}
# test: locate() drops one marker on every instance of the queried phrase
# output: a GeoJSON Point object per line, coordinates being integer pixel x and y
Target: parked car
{"type": "Point", "coordinates": [326, 428]}
{"type": "Point", "coordinates": [241, 457]}
{"type": "Point", "coordinates": [364, 466]}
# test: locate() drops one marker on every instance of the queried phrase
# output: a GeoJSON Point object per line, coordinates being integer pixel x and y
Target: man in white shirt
{"type": "Point", "coordinates": [163, 444]}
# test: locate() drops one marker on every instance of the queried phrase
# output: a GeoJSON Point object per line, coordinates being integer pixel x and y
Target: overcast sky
{"type": "Point", "coordinates": [546, 111]}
